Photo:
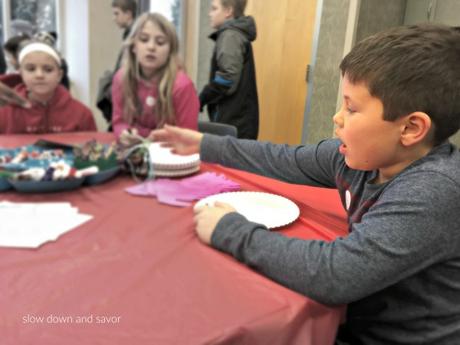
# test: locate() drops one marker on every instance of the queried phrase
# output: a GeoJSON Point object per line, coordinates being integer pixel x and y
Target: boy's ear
{"type": "Point", "coordinates": [228, 12]}
{"type": "Point", "coordinates": [416, 128]}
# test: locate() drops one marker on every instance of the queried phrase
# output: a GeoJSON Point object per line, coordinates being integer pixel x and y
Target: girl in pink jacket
{"type": "Point", "coordinates": [151, 89]}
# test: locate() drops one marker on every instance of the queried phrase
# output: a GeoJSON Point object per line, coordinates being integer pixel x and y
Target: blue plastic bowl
{"type": "Point", "coordinates": [4, 184]}
{"type": "Point", "coordinates": [46, 186]}
{"type": "Point", "coordinates": [102, 176]}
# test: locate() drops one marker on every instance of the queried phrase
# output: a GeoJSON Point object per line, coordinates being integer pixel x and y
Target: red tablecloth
{"type": "Point", "coordinates": [137, 274]}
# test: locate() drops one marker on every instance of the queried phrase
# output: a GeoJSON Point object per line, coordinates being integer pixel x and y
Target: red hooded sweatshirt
{"type": "Point", "coordinates": [61, 114]}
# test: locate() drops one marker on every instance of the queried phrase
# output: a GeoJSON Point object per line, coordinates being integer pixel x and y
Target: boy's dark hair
{"type": "Point", "coordinates": [238, 6]}
{"type": "Point", "coordinates": [412, 68]}
{"type": "Point", "coordinates": [126, 5]}
{"type": "Point", "coordinates": [14, 44]}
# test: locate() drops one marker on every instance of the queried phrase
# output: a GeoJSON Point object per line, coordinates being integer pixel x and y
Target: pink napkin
{"type": "Point", "coordinates": [182, 192]}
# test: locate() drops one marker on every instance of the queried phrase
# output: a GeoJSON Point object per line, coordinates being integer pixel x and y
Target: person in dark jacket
{"type": "Point", "coordinates": [124, 14]}
{"type": "Point", "coordinates": [231, 94]}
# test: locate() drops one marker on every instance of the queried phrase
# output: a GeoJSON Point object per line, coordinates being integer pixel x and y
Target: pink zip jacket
{"type": "Point", "coordinates": [185, 101]}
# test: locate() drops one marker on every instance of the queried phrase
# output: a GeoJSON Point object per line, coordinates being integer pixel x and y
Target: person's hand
{"type": "Point", "coordinates": [182, 141]}
{"type": "Point", "coordinates": [130, 137]}
{"type": "Point", "coordinates": [207, 217]}
{"type": "Point", "coordinates": [9, 96]}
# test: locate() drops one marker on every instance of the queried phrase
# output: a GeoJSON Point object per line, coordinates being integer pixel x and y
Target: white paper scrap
{"type": "Point", "coordinates": [29, 225]}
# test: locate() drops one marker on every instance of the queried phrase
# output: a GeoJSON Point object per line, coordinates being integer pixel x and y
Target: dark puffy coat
{"type": "Point", "coordinates": [231, 94]}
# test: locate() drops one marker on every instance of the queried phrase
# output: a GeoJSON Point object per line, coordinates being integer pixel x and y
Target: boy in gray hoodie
{"type": "Point", "coordinates": [398, 177]}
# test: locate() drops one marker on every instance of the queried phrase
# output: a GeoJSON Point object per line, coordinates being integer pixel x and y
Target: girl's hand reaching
{"type": "Point", "coordinates": [182, 141]}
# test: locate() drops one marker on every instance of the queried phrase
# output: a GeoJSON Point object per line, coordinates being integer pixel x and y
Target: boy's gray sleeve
{"type": "Point", "coordinates": [401, 234]}
{"type": "Point", "coordinates": [305, 164]}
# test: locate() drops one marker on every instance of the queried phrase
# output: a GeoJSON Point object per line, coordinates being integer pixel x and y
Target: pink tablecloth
{"type": "Point", "coordinates": [137, 274]}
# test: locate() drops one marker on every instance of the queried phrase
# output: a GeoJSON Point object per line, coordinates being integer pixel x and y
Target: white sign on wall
{"type": "Point", "coordinates": [163, 6]}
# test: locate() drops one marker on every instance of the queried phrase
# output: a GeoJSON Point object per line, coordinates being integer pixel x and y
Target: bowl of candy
{"type": "Point", "coordinates": [58, 176]}
{"type": "Point", "coordinates": [4, 183]}
{"type": "Point", "coordinates": [94, 154]}
{"type": "Point", "coordinates": [41, 168]}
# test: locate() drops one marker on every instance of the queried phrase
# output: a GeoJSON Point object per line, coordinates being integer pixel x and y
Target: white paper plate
{"type": "Point", "coordinates": [163, 159]}
{"type": "Point", "coordinates": [176, 173]}
{"type": "Point", "coordinates": [268, 209]}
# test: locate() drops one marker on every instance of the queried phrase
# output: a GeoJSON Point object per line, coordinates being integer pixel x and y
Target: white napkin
{"type": "Point", "coordinates": [29, 225]}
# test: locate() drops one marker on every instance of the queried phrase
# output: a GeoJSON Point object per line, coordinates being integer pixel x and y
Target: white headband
{"type": "Point", "coordinates": [39, 47]}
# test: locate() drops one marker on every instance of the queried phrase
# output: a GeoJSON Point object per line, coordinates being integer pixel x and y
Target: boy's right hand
{"type": "Point", "coordinates": [182, 141]}
{"type": "Point", "coordinates": [9, 96]}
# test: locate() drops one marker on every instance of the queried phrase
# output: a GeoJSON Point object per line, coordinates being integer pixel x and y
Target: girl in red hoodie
{"type": "Point", "coordinates": [53, 109]}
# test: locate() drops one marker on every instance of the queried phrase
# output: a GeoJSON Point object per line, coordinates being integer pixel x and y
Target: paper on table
{"type": "Point", "coordinates": [182, 192]}
{"type": "Point", "coordinates": [28, 225]}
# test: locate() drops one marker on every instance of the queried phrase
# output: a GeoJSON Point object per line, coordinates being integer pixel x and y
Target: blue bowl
{"type": "Point", "coordinates": [46, 186]}
{"type": "Point", "coordinates": [102, 176]}
{"type": "Point", "coordinates": [4, 184]}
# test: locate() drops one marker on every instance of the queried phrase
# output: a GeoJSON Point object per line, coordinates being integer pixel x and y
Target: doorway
{"type": "Point", "coordinates": [282, 53]}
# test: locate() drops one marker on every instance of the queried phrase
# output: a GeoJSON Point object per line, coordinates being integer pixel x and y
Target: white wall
{"type": "Point", "coordinates": [163, 7]}
{"type": "Point", "coordinates": [105, 43]}
{"type": "Point", "coordinates": [90, 43]}
{"type": "Point", "coordinates": [74, 42]}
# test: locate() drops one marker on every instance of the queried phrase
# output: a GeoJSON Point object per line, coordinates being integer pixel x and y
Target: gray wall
{"type": "Point", "coordinates": [326, 76]}
{"type": "Point", "coordinates": [378, 15]}
{"type": "Point", "coordinates": [442, 11]}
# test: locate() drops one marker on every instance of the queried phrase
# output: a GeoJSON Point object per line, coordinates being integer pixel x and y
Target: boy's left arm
{"type": "Point", "coordinates": [314, 165]}
{"type": "Point", "coordinates": [412, 227]}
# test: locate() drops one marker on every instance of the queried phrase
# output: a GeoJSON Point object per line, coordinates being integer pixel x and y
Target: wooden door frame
{"type": "Point", "coordinates": [190, 34]}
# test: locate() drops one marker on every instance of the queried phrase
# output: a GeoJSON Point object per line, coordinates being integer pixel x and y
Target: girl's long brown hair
{"type": "Point", "coordinates": [164, 108]}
